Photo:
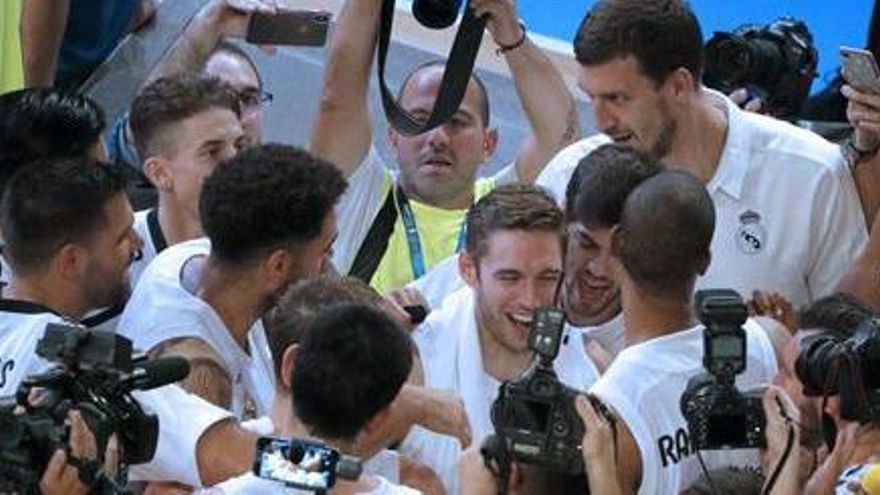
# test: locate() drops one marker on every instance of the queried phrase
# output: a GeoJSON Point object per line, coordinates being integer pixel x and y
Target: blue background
{"type": "Point", "coordinates": [832, 23]}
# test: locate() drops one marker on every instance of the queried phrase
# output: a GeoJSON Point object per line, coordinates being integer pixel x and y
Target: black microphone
{"type": "Point", "coordinates": [157, 373]}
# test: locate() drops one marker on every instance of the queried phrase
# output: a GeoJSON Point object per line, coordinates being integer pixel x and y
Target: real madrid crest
{"type": "Point", "coordinates": [750, 236]}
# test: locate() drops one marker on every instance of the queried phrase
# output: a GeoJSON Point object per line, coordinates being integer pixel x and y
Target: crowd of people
{"type": "Point", "coordinates": [374, 309]}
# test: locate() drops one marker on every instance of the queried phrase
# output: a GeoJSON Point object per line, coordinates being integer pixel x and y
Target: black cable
{"type": "Point", "coordinates": [789, 444]}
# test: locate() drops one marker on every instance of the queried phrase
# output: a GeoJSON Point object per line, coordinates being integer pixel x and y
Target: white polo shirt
{"type": "Point", "coordinates": [161, 309]}
{"type": "Point", "coordinates": [183, 417]}
{"type": "Point", "coordinates": [643, 386]}
{"type": "Point", "coordinates": [788, 216]}
{"type": "Point", "coordinates": [449, 344]}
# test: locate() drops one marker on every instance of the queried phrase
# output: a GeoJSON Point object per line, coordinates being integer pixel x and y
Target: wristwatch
{"type": "Point", "coordinates": [852, 154]}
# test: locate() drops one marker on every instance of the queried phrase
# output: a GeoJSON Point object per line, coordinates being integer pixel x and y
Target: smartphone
{"type": "Point", "coordinates": [296, 463]}
{"type": "Point", "coordinates": [860, 69]}
{"type": "Point", "coordinates": [294, 28]}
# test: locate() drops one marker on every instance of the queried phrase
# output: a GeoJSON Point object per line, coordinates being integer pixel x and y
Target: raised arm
{"type": "Point", "coordinates": [548, 104]}
{"type": "Point", "coordinates": [214, 22]}
{"type": "Point", "coordinates": [43, 23]}
{"type": "Point", "coordinates": [342, 132]}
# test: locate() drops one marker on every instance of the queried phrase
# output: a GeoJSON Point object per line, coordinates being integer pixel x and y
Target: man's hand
{"type": "Point", "coordinates": [773, 305]}
{"type": "Point", "coordinates": [502, 20]}
{"type": "Point", "coordinates": [743, 100]}
{"type": "Point", "coordinates": [61, 477]}
{"type": "Point", "coordinates": [863, 112]}
{"type": "Point", "coordinates": [440, 411]}
{"type": "Point", "coordinates": [599, 449]}
{"type": "Point", "coordinates": [230, 17]}
{"type": "Point", "coordinates": [397, 301]}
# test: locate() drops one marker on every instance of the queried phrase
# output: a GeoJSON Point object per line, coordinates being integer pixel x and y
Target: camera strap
{"type": "Point", "coordinates": [455, 78]}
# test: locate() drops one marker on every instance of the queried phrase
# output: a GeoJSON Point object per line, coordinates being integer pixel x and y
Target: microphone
{"type": "Point", "coordinates": [156, 373]}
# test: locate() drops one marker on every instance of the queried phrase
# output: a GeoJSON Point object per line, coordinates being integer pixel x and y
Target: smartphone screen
{"type": "Point", "coordinates": [296, 28]}
{"type": "Point", "coordinates": [860, 69]}
{"type": "Point", "coordinates": [296, 463]}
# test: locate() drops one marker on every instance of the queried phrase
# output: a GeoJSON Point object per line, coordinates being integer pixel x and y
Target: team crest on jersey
{"type": "Point", "coordinates": [751, 235]}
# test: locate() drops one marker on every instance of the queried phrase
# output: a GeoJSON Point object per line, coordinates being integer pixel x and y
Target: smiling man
{"type": "Point", "coordinates": [641, 64]}
{"type": "Point", "coordinates": [478, 338]}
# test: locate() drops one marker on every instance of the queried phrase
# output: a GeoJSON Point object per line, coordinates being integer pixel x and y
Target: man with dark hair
{"type": "Point", "coordinates": [640, 64]}
{"type": "Point", "coordinates": [594, 201]}
{"type": "Point", "coordinates": [658, 249]}
{"type": "Point", "coordinates": [69, 237]}
{"type": "Point", "coordinates": [478, 337]}
{"type": "Point", "coordinates": [269, 218]}
{"type": "Point", "coordinates": [183, 126]}
{"type": "Point", "coordinates": [437, 179]}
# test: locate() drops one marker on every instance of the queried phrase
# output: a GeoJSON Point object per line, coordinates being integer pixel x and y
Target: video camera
{"type": "Point", "coordinates": [96, 374]}
{"type": "Point", "coordinates": [830, 364]}
{"type": "Point", "coordinates": [534, 415]}
{"type": "Point", "coordinates": [718, 415]}
{"type": "Point", "coordinates": [776, 63]}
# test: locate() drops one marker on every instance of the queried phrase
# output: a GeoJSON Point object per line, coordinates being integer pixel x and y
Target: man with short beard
{"type": "Point", "coordinates": [269, 218]}
{"type": "Point", "coordinates": [789, 219]}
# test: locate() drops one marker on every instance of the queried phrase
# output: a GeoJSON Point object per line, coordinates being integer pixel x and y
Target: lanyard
{"type": "Point", "coordinates": [416, 256]}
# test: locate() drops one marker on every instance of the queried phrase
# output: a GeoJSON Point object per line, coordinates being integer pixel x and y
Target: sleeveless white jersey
{"type": "Point", "coordinates": [161, 309]}
{"type": "Point", "coordinates": [644, 385]}
{"type": "Point", "coordinates": [22, 324]}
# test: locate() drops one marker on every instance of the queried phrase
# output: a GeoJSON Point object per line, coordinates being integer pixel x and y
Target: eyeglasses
{"type": "Point", "coordinates": [253, 97]}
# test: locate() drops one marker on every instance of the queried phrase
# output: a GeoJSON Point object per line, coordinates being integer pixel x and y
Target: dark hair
{"type": "Point", "coordinates": [39, 123]}
{"type": "Point", "coordinates": [484, 94]}
{"type": "Point", "coordinates": [511, 207]}
{"type": "Point", "coordinates": [665, 232]}
{"type": "Point", "coordinates": [226, 46]}
{"type": "Point", "coordinates": [267, 196]}
{"type": "Point", "coordinates": [839, 313]}
{"type": "Point", "coordinates": [169, 101]}
{"type": "Point", "coordinates": [662, 35]}
{"type": "Point", "coordinates": [602, 181]}
{"type": "Point", "coordinates": [53, 203]}
{"type": "Point", "coordinates": [293, 312]}
{"type": "Point", "coordinates": [352, 362]}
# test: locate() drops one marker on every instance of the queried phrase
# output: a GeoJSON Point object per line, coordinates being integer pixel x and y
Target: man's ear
{"type": "Point", "coordinates": [681, 83]}
{"type": "Point", "coordinates": [288, 361]}
{"type": "Point", "coordinates": [393, 136]}
{"type": "Point", "coordinates": [277, 267]}
{"type": "Point", "coordinates": [378, 422]}
{"type": "Point", "coordinates": [490, 143]}
{"type": "Point", "coordinates": [705, 262]}
{"type": "Point", "coordinates": [69, 262]}
{"type": "Point", "coordinates": [616, 241]}
{"type": "Point", "coordinates": [158, 171]}
{"type": "Point", "coordinates": [468, 269]}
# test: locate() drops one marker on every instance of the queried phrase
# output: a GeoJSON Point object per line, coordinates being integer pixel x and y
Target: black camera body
{"type": "Point", "coordinates": [534, 415]}
{"type": "Point", "coordinates": [829, 364]}
{"type": "Point", "coordinates": [436, 14]}
{"type": "Point", "coordinates": [96, 374]}
{"type": "Point", "coordinates": [718, 415]}
{"type": "Point", "coordinates": [776, 63]}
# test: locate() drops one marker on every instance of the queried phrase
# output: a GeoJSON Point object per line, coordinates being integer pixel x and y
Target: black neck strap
{"type": "Point", "coordinates": [455, 78]}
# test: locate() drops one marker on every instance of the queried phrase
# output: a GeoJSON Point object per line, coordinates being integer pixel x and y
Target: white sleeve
{"type": "Point", "coordinates": [183, 418]}
{"type": "Point", "coordinates": [838, 231]}
{"type": "Point", "coordinates": [358, 208]}
{"type": "Point", "coordinates": [559, 169]}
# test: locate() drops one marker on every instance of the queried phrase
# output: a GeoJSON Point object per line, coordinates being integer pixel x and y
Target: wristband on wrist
{"type": "Point", "coordinates": [502, 49]}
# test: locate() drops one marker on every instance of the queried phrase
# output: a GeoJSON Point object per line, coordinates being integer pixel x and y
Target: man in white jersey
{"type": "Point", "coordinates": [640, 63]}
{"type": "Point", "coordinates": [67, 225]}
{"type": "Point", "coordinates": [478, 338]}
{"type": "Point", "coordinates": [269, 216]}
{"type": "Point", "coordinates": [656, 253]}
{"type": "Point", "coordinates": [437, 179]}
{"type": "Point", "coordinates": [183, 125]}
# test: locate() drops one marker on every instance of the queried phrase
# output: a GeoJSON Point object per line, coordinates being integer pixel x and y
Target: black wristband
{"type": "Point", "coordinates": [502, 49]}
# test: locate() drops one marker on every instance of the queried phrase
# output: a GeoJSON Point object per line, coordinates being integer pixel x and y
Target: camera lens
{"type": "Point", "coordinates": [817, 356]}
{"type": "Point", "coordinates": [436, 14]}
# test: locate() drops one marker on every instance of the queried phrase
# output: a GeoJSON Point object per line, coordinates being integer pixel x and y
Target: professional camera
{"type": "Point", "coordinates": [849, 367]}
{"type": "Point", "coordinates": [776, 63]}
{"type": "Point", "coordinates": [534, 415]}
{"type": "Point", "coordinates": [718, 415]}
{"type": "Point", "coordinates": [96, 374]}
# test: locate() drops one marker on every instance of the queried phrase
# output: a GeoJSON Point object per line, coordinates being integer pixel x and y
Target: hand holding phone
{"type": "Point", "coordinates": [859, 69]}
{"type": "Point", "coordinates": [293, 28]}
{"type": "Point", "coordinates": [302, 463]}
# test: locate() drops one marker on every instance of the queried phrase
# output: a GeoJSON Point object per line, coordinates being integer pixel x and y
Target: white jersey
{"type": "Point", "coordinates": [161, 309]}
{"type": "Point", "coordinates": [610, 335]}
{"type": "Point", "coordinates": [643, 386]}
{"type": "Point", "coordinates": [788, 216]}
{"type": "Point", "coordinates": [22, 324]}
{"type": "Point", "coordinates": [449, 344]}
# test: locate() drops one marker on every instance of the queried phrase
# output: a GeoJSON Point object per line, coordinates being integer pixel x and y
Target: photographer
{"type": "Point", "coordinates": [437, 169]}
{"type": "Point", "coordinates": [657, 251]}
{"type": "Point", "coordinates": [641, 63]}
{"type": "Point", "coordinates": [67, 226]}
